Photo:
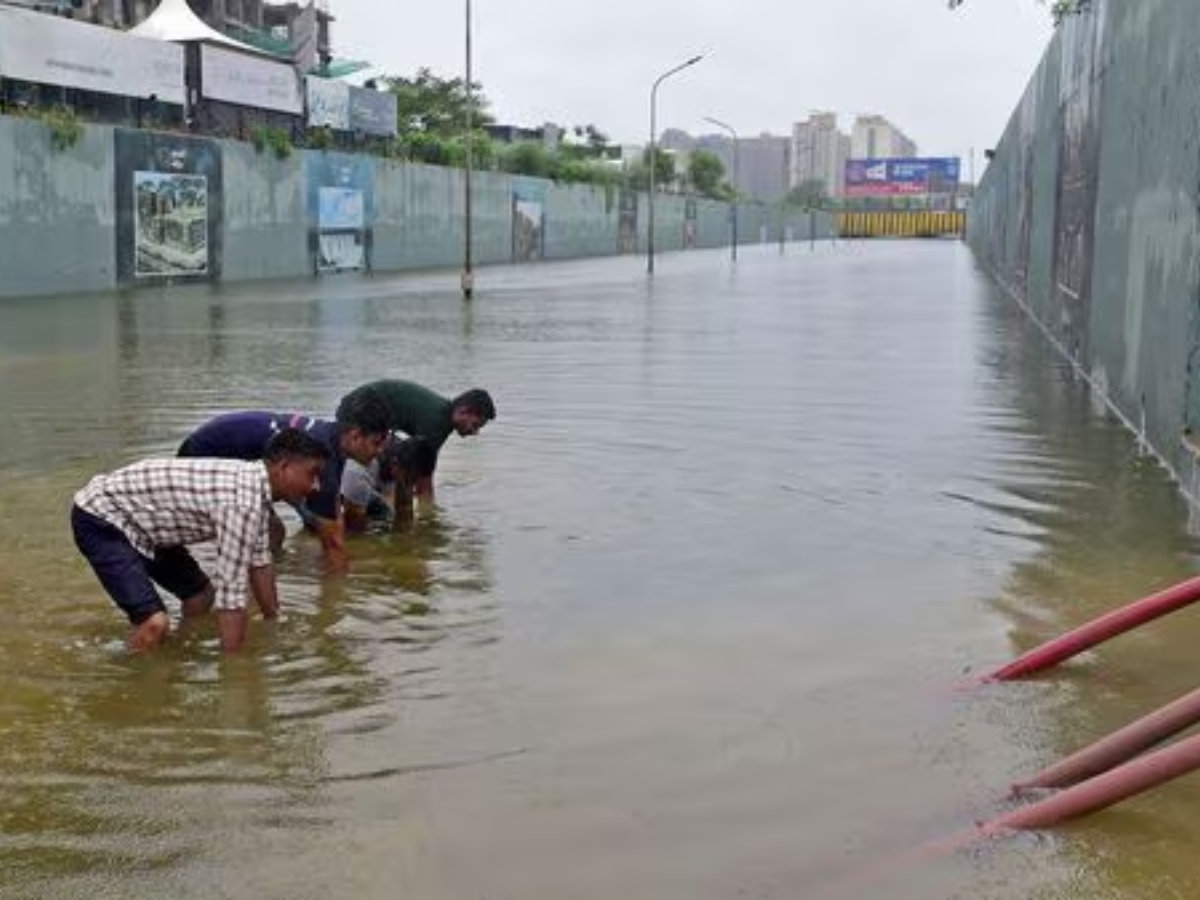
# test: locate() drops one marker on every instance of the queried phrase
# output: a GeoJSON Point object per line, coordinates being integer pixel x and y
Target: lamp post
{"type": "Point", "coordinates": [468, 276]}
{"type": "Point", "coordinates": [733, 208]}
{"type": "Point", "coordinates": [652, 156]}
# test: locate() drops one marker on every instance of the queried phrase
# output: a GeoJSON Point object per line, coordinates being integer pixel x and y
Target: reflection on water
{"type": "Point", "coordinates": [685, 623]}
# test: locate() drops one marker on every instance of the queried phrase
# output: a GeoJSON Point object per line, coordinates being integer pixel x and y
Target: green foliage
{"type": "Point", "coordinates": [265, 137]}
{"type": "Point", "coordinates": [65, 129]}
{"type": "Point", "coordinates": [448, 150]}
{"type": "Point", "coordinates": [595, 140]}
{"type": "Point", "coordinates": [664, 171]}
{"type": "Point", "coordinates": [483, 151]}
{"type": "Point", "coordinates": [808, 194]}
{"type": "Point", "coordinates": [528, 158]}
{"type": "Point", "coordinates": [432, 115]}
{"type": "Point", "coordinates": [590, 171]}
{"type": "Point", "coordinates": [564, 164]}
{"type": "Point", "coordinates": [320, 138]}
{"type": "Point", "coordinates": [427, 104]}
{"type": "Point", "coordinates": [1059, 9]}
{"type": "Point", "coordinates": [705, 171]}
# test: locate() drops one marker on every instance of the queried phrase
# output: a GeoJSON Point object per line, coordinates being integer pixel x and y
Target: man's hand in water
{"type": "Point", "coordinates": [333, 541]}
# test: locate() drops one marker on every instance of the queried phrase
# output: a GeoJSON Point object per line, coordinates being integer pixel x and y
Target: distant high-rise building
{"type": "Point", "coordinates": [819, 152]}
{"type": "Point", "coordinates": [874, 137]}
{"type": "Point", "coordinates": [762, 163]}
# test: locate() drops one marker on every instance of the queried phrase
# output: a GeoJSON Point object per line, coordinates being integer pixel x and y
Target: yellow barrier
{"type": "Point", "coordinates": [901, 224]}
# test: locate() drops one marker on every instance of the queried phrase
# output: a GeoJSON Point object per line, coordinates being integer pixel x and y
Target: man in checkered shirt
{"type": "Point", "coordinates": [133, 526]}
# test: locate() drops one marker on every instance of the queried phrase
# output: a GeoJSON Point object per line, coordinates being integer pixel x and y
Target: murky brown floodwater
{"type": "Point", "coordinates": [685, 625]}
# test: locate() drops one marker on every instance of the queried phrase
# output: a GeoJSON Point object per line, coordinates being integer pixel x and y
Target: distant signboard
{"type": "Point", "coordinates": [49, 50]}
{"type": "Point", "coordinates": [328, 103]}
{"type": "Point", "coordinates": [372, 112]}
{"type": "Point", "coordinates": [250, 80]}
{"type": "Point", "coordinates": [889, 177]}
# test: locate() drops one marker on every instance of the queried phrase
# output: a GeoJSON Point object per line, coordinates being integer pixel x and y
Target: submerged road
{"type": "Point", "coordinates": [684, 625]}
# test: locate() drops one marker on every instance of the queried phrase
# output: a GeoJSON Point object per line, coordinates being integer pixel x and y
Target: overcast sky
{"type": "Point", "coordinates": [948, 79]}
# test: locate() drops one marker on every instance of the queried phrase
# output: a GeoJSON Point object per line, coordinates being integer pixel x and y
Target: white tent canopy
{"type": "Point", "coordinates": [174, 21]}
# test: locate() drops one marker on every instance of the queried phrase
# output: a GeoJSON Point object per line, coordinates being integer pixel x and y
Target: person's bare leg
{"type": "Point", "coordinates": [198, 605]}
{"type": "Point", "coordinates": [232, 625]}
{"type": "Point", "coordinates": [149, 634]}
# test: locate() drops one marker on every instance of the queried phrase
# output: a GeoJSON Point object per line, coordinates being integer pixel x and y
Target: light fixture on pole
{"type": "Point", "coordinates": [652, 156]}
{"type": "Point", "coordinates": [733, 209]}
{"type": "Point", "coordinates": [468, 276]}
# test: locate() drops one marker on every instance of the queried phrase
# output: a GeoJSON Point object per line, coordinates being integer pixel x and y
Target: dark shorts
{"type": "Point", "coordinates": [127, 575]}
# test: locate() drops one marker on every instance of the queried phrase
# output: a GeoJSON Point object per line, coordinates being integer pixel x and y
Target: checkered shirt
{"type": "Point", "coordinates": [169, 502]}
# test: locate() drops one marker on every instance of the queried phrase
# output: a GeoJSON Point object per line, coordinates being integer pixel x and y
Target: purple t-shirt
{"type": "Point", "coordinates": [244, 435]}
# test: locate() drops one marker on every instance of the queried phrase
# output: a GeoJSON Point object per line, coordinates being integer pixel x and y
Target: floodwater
{"type": "Point", "coordinates": [690, 621]}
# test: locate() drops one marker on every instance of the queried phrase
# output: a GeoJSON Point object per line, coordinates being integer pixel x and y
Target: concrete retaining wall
{"type": "Point", "coordinates": [76, 220]}
{"type": "Point", "coordinates": [1090, 212]}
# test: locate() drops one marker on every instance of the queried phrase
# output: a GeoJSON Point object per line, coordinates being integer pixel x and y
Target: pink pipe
{"type": "Point", "coordinates": [1119, 746]}
{"type": "Point", "coordinates": [1102, 791]}
{"type": "Point", "coordinates": [1097, 793]}
{"type": "Point", "coordinates": [1099, 630]}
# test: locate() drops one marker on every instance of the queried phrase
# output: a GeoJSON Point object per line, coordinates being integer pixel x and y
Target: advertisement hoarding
{"type": "Point", "coordinates": [372, 112]}
{"type": "Point", "coordinates": [50, 50]}
{"type": "Point", "coordinates": [328, 103]}
{"type": "Point", "coordinates": [906, 175]}
{"type": "Point", "coordinates": [249, 80]}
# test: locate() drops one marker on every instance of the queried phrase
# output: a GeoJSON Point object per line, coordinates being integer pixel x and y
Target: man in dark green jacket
{"type": "Point", "coordinates": [417, 411]}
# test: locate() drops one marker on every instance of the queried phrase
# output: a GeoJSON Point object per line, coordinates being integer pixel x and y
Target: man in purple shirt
{"type": "Point", "coordinates": [133, 526]}
{"type": "Point", "coordinates": [359, 433]}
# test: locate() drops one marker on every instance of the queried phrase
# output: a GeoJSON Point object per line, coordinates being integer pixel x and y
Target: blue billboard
{"type": "Point", "coordinates": [902, 175]}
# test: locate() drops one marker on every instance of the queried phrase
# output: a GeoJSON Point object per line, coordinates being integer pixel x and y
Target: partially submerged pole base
{"type": "Point", "coordinates": [468, 284]}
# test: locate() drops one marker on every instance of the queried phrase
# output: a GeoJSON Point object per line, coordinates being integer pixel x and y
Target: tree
{"type": "Point", "coordinates": [664, 170]}
{"type": "Point", "coordinates": [596, 139]}
{"type": "Point", "coordinates": [585, 171]}
{"type": "Point", "coordinates": [431, 119]}
{"type": "Point", "coordinates": [808, 194]}
{"type": "Point", "coordinates": [1059, 9]}
{"type": "Point", "coordinates": [589, 142]}
{"type": "Point", "coordinates": [705, 171]}
{"type": "Point", "coordinates": [436, 106]}
{"type": "Point", "coordinates": [527, 158]}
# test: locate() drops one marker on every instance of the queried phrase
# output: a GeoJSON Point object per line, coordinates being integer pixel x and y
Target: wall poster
{"type": "Point", "coordinates": [168, 206]}
{"type": "Point", "coordinates": [528, 221]}
{"type": "Point", "coordinates": [341, 209]}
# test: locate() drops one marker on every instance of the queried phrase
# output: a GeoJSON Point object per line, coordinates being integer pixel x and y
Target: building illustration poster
{"type": "Point", "coordinates": [168, 207]}
{"type": "Point", "coordinates": [528, 220]}
{"type": "Point", "coordinates": [689, 223]}
{"type": "Point", "coordinates": [627, 216]}
{"type": "Point", "coordinates": [341, 208]}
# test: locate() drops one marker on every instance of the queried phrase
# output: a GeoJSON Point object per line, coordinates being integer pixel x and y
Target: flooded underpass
{"type": "Point", "coordinates": [687, 622]}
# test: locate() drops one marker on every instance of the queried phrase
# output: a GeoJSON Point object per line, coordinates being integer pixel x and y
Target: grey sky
{"type": "Point", "coordinates": [949, 79]}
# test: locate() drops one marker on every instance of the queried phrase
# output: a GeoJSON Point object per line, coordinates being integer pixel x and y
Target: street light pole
{"type": "Point", "coordinates": [733, 208]}
{"type": "Point", "coordinates": [468, 276]}
{"type": "Point", "coordinates": [652, 156]}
